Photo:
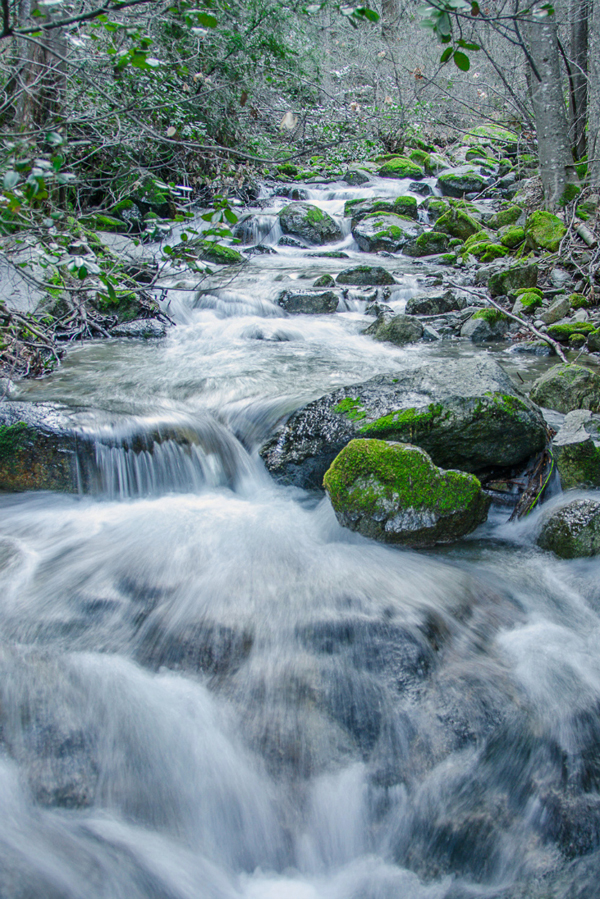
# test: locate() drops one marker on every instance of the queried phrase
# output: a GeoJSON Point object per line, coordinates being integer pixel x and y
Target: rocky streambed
{"type": "Point", "coordinates": [217, 683]}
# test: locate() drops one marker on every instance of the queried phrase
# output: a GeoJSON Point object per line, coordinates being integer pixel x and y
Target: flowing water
{"type": "Point", "coordinates": [210, 689]}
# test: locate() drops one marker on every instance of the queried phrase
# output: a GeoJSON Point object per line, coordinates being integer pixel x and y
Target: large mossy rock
{"type": "Point", "coordinates": [306, 302]}
{"type": "Point", "coordinates": [463, 180]}
{"type": "Point", "coordinates": [485, 326]}
{"type": "Point", "coordinates": [365, 276]}
{"type": "Point", "coordinates": [457, 223]}
{"type": "Point", "coordinates": [430, 243]}
{"type": "Point", "coordinates": [310, 223]}
{"type": "Point", "coordinates": [39, 448]}
{"type": "Point", "coordinates": [523, 274]}
{"type": "Point", "coordinates": [399, 330]}
{"type": "Point", "coordinates": [394, 493]}
{"type": "Point", "coordinates": [573, 531]}
{"type": "Point", "coordinates": [401, 167]}
{"type": "Point", "coordinates": [466, 413]}
{"type": "Point", "coordinates": [576, 456]}
{"type": "Point", "coordinates": [217, 253]}
{"type": "Point", "coordinates": [359, 209]}
{"type": "Point", "coordinates": [384, 231]}
{"type": "Point", "coordinates": [544, 231]}
{"type": "Point", "coordinates": [505, 217]}
{"type": "Point", "coordinates": [568, 387]}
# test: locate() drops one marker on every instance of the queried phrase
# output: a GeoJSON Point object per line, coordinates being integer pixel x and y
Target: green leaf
{"type": "Point", "coordinates": [82, 272]}
{"type": "Point", "coordinates": [230, 216]}
{"type": "Point", "coordinates": [444, 25]}
{"type": "Point", "coordinates": [467, 46]}
{"type": "Point", "coordinates": [462, 61]}
{"type": "Point", "coordinates": [11, 179]}
{"type": "Point", "coordinates": [207, 20]}
{"type": "Point", "coordinates": [366, 13]}
{"type": "Point", "coordinates": [446, 54]}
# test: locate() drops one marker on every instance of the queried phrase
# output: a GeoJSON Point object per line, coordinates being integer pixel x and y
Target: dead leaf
{"type": "Point", "coordinates": [288, 122]}
{"type": "Point", "coordinates": [171, 131]}
{"type": "Point", "coordinates": [244, 98]}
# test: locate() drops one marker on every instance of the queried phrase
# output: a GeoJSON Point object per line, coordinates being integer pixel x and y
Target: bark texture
{"type": "Point", "coordinates": [594, 96]}
{"type": "Point", "coordinates": [580, 12]}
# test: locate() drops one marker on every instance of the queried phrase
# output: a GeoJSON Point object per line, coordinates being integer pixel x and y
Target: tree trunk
{"type": "Point", "coordinates": [545, 85]}
{"type": "Point", "coordinates": [389, 18]}
{"type": "Point", "coordinates": [594, 96]}
{"type": "Point", "coordinates": [580, 11]}
{"type": "Point", "coordinates": [42, 75]}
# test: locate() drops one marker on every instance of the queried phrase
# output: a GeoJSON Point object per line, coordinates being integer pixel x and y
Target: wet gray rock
{"type": "Point", "coordinates": [355, 177]}
{"type": "Point", "coordinates": [462, 180]}
{"type": "Point", "coordinates": [501, 282]}
{"type": "Point", "coordinates": [309, 223]}
{"type": "Point", "coordinates": [306, 302]}
{"type": "Point", "coordinates": [556, 311]}
{"type": "Point", "coordinates": [141, 329]}
{"type": "Point", "coordinates": [435, 304]}
{"type": "Point", "coordinates": [480, 330]}
{"type": "Point", "coordinates": [384, 231]}
{"type": "Point", "coordinates": [365, 276]}
{"type": "Point", "coordinates": [466, 413]}
{"type": "Point", "coordinates": [399, 329]}
{"type": "Point", "coordinates": [573, 531]}
{"type": "Point", "coordinates": [568, 387]}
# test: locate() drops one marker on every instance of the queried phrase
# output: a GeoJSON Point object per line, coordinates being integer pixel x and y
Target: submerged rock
{"type": "Point", "coordinates": [573, 531]}
{"type": "Point", "coordinates": [393, 492]}
{"type": "Point", "coordinates": [568, 387]}
{"type": "Point", "coordinates": [310, 223]}
{"type": "Point", "coordinates": [435, 304]}
{"type": "Point", "coordinates": [466, 413]}
{"type": "Point", "coordinates": [141, 328]}
{"type": "Point", "coordinates": [400, 329]}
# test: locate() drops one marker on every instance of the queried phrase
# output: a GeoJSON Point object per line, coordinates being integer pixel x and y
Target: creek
{"type": "Point", "coordinates": [210, 690]}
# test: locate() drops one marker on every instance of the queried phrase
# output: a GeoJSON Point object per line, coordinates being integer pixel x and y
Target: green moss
{"type": "Point", "coordinates": [530, 300]}
{"type": "Point", "coordinates": [457, 223]}
{"type": "Point", "coordinates": [493, 134]}
{"type": "Point", "coordinates": [314, 215]}
{"type": "Point", "coordinates": [431, 242]}
{"type": "Point", "coordinates": [577, 341]}
{"type": "Point", "coordinates": [544, 231]}
{"type": "Point", "coordinates": [13, 438]}
{"type": "Point", "coordinates": [512, 236]}
{"type": "Point", "coordinates": [510, 405]}
{"type": "Point", "coordinates": [570, 192]}
{"type": "Point", "coordinates": [125, 305]}
{"type": "Point", "coordinates": [288, 168]}
{"type": "Point", "coordinates": [419, 156]}
{"type": "Point", "coordinates": [220, 255]}
{"type": "Point", "coordinates": [505, 217]}
{"type": "Point", "coordinates": [579, 301]}
{"type": "Point", "coordinates": [324, 281]}
{"type": "Point", "coordinates": [564, 332]}
{"type": "Point", "coordinates": [401, 167]}
{"type": "Point", "coordinates": [352, 408]}
{"type": "Point", "coordinates": [366, 471]}
{"type": "Point", "coordinates": [106, 223]}
{"type": "Point", "coordinates": [491, 316]}
{"type": "Point", "coordinates": [447, 259]}
{"type": "Point", "coordinates": [523, 290]}
{"type": "Point", "coordinates": [436, 208]}
{"type": "Point", "coordinates": [587, 209]}
{"type": "Point", "coordinates": [408, 422]}
{"type": "Point", "coordinates": [480, 238]}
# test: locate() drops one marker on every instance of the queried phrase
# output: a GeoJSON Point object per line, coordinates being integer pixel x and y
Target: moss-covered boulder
{"type": "Point", "coordinates": [485, 326]}
{"type": "Point", "coordinates": [575, 453]}
{"type": "Point", "coordinates": [505, 217]}
{"type": "Point", "coordinates": [573, 531]}
{"type": "Point", "coordinates": [430, 243]}
{"type": "Point", "coordinates": [593, 341]}
{"type": "Point", "coordinates": [511, 236]}
{"type": "Point", "coordinates": [436, 163]}
{"type": "Point", "coordinates": [324, 281]}
{"type": "Point", "coordinates": [568, 387]}
{"type": "Point", "coordinates": [383, 231]}
{"type": "Point", "coordinates": [309, 223]}
{"type": "Point", "coordinates": [401, 167]}
{"type": "Point", "coordinates": [359, 209]}
{"type": "Point", "coordinates": [216, 253]}
{"type": "Point", "coordinates": [527, 302]}
{"type": "Point", "coordinates": [465, 412]}
{"type": "Point", "coordinates": [394, 493]}
{"type": "Point", "coordinates": [38, 448]}
{"type": "Point", "coordinates": [496, 135]}
{"type": "Point", "coordinates": [544, 231]}
{"type": "Point", "coordinates": [579, 301]}
{"type": "Point", "coordinates": [563, 331]}
{"type": "Point", "coordinates": [463, 180]}
{"type": "Point", "coordinates": [365, 276]}
{"type": "Point", "coordinates": [308, 302]}
{"type": "Point", "coordinates": [522, 274]}
{"type": "Point", "coordinates": [399, 330]}
{"type": "Point", "coordinates": [457, 223]}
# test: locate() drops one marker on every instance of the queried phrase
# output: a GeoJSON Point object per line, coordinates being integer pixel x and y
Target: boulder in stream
{"type": "Point", "coordinates": [575, 454]}
{"type": "Point", "coordinates": [485, 326]}
{"type": "Point", "coordinates": [463, 180]}
{"type": "Point", "coordinates": [310, 223]}
{"type": "Point", "coordinates": [394, 493]}
{"type": "Point", "coordinates": [466, 413]}
{"type": "Point", "coordinates": [298, 302]}
{"type": "Point", "coordinates": [38, 448]}
{"type": "Point", "coordinates": [435, 304]}
{"type": "Point", "coordinates": [573, 531]}
{"type": "Point", "coordinates": [568, 387]}
{"type": "Point", "coordinates": [399, 329]}
{"type": "Point", "coordinates": [384, 231]}
{"type": "Point", "coordinates": [365, 276]}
